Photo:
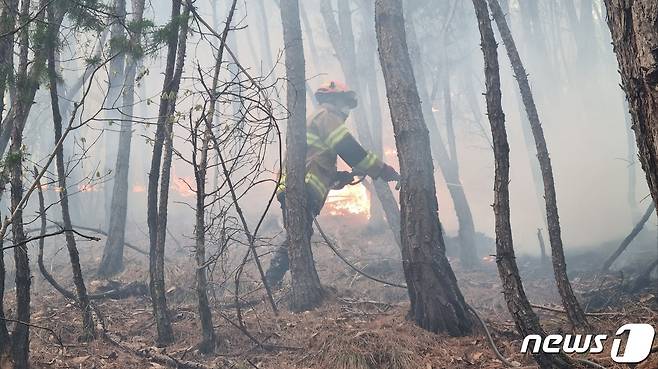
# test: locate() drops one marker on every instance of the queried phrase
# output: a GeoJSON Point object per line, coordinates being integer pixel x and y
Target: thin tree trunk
{"type": "Point", "coordinates": [88, 325]}
{"type": "Point", "coordinates": [306, 289]}
{"type": "Point", "coordinates": [116, 79]}
{"type": "Point", "coordinates": [542, 247]}
{"type": "Point", "coordinates": [27, 83]}
{"type": "Point", "coordinates": [209, 340]}
{"type": "Point", "coordinates": [5, 342]}
{"type": "Point", "coordinates": [569, 301]}
{"type": "Point", "coordinates": [366, 68]}
{"type": "Point", "coordinates": [205, 315]}
{"type": "Point", "coordinates": [447, 113]}
{"type": "Point", "coordinates": [112, 261]}
{"type": "Point", "coordinates": [629, 238]}
{"type": "Point", "coordinates": [436, 301]}
{"type": "Point", "coordinates": [7, 24]}
{"type": "Point", "coordinates": [161, 171]}
{"type": "Point", "coordinates": [525, 318]}
{"type": "Point", "coordinates": [20, 337]}
{"type": "Point", "coordinates": [265, 36]}
{"type": "Point", "coordinates": [635, 41]}
{"type": "Point", "coordinates": [449, 168]}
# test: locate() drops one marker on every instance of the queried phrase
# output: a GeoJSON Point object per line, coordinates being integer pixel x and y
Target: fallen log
{"type": "Point", "coordinates": [627, 241]}
{"type": "Point", "coordinates": [151, 354]}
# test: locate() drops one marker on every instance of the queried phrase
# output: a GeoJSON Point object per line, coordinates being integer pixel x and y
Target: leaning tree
{"type": "Point", "coordinates": [571, 306]}
{"type": "Point", "coordinates": [525, 318]}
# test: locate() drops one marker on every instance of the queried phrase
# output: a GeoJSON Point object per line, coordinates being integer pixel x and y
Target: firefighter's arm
{"type": "Point", "coordinates": [347, 147]}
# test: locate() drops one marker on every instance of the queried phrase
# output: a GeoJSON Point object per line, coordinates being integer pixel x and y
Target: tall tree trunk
{"type": "Point", "coordinates": [265, 36]}
{"type": "Point", "coordinates": [161, 171]}
{"type": "Point", "coordinates": [27, 82]}
{"type": "Point", "coordinates": [306, 289]}
{"type": "Point", "coordinates": [205, 315]}
{"type": "Point", "coordinates": [112, 261]}
{"type": "Point", "coordinates": [8, 17]}
{"type": "Point", "coordinates": [366, 48]}
{"type": "Point", "coordinates": [88, 325]}
{"type": "Point", "coordinates": [449, 168]}
{"type": "Point", "coordinates": [20, 337]}
{"type": "Point", "coordinates": [525, 318]}
{"type": "Point", "coordinates": [436, 301]}
{"type": "Point", "coordinates": [5, 342]}
{"type": "Point", "coordinates": [201, 170]}
{"type": "Point", "coordinates": [635, 41]}
{"type": "Point", "coordinates": [116, 79]}
{"type": "Point", "coordinates": [571, 306]}
{"type": "Point", "coordinates": [7, 23]}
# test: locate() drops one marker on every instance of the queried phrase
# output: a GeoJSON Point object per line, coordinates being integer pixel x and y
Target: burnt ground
{"type": "Point", "coordinates": [360, 325]}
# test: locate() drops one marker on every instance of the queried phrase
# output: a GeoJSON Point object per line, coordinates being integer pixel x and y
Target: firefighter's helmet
{"type": "Point", "coordinates": [338, 92]}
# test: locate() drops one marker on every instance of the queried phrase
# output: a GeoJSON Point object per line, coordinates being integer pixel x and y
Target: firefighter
{"type": "Point", "coordinates": [327, 137]}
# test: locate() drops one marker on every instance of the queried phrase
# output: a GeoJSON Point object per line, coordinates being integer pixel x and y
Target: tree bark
{"type": "Point", "coordinates": [633, 25]}
{"type": "Point", "coordinates": [88, 325]}
{"type": "Point", "coordinates": [161, 171]}
{"type": "Point", "coordinates": [112, 261]}
{"type": "Point", "coordinates": [525, 318]}
{"type": "Point", "coordinates": [7, 24]}
{"type": "Point", "coordinates": [20, 337]}
{"type": "Point", "coordinates": [631, 159]}
{"type": "Point", "coordinates": [205, 315]}
{"type": "Point", "coordinates": [569, 301]}
{"type": "Point", "coordinates": [306, 289]}
{"type": "Point", "coordinates": [436, 301]}
{"type": "Point", "coordinates": [27, 83]}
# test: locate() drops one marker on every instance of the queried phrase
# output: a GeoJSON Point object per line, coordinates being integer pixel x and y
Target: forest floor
{"type": "Point", "coordinates": [360, 325]}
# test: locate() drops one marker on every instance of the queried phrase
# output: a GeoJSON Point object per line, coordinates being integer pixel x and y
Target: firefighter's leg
{"type": "Point", "coordinates": [280, 263]}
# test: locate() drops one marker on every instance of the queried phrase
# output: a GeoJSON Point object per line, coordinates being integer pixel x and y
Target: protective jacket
{"type": "Point", "coordinates": [327, 137]}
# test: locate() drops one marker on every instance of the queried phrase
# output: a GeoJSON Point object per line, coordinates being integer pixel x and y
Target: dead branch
{"type": "Point", "coordinates": [52, 332]}
{"type": "Point", "coordinates": [628, 239]}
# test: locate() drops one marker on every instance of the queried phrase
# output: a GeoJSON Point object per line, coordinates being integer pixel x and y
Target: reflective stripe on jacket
{"type": "Point", "coordinates": [327, 137]}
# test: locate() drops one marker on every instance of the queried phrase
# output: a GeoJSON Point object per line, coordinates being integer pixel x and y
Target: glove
{"type": "Point", "coordinates": [342, 180]}
{"type": "Point", "coordinates": [389, 174]}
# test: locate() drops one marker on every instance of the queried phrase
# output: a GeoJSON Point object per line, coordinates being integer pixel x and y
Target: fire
{"type": "Point", "coordinates": [349, 200]}
{"type": "Point", "coordinates": [181, 185]}
{"type": "Point", "coordinates": [88, 187]}
{"type": "Point", "coordinates": [139, 188]}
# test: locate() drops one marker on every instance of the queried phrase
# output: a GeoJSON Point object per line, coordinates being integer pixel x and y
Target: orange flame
{"type": "Point", "coordinates": [139, 188]}
{"type": "Point", "coordinates": [181, 185]}
{"type": "Point", "coordinates": [88, 187]}
{"type": "Point", "coordinates": [349, 200]}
